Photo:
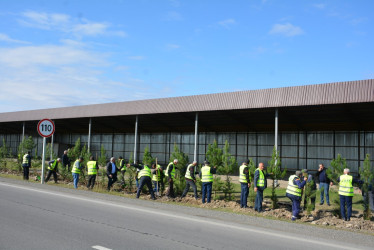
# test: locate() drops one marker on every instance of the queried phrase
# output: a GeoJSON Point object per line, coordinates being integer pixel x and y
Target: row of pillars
{"type": "Point", "coordinates": [137, 134]}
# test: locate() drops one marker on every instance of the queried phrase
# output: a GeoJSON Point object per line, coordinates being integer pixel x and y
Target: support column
{"type": "Point", "coordinates": [136, 140]}
{"type": "Point", "coordinates": [276, 139]}
{"type": "Point", "coordinates": [276, 130]}
{"type": "Point", "coordinates": [89, 136]}
{"type": "Point", "coordinates": [23, 131]}
{"type": "Point", "coordinates": [196, 137]}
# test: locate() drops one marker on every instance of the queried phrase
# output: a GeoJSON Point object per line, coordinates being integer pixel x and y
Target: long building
{"type": "Point", "coordinates": [308, 125]}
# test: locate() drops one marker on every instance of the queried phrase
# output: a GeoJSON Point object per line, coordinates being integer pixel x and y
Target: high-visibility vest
{"type": "Point", "coordinates": [242, 176]}
{"type": "Point", "coordinates": [292, 188]}
{"type": "Point", "coordinates": [91, 168]}
{"type": "Point", "coordinates": [171, 164]}
{"type": "Point", "coordinates": [345, 185]}
{"type": "Point", "coordinates": [157, 175]}
{"type": "Point", "coordinates": [75, 169]}
{"type": "Point", "coordinates": [206, 175]}
{"type": "Point", "coordinates": [53, 165]}
{"type": "Point", "coordinates": [123, 167]}
{"type": "Point", "coordinates": [25, 159]}
{"type": "Point", "coordinates": [261, 178]}
{"type": "Point", "coordinates": [144, 172]}
{"type": "Point", "coordinates": [188, 173]}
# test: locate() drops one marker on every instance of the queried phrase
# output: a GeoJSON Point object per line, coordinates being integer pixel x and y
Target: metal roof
{"type": "Point", "coordinates": [322, 94]}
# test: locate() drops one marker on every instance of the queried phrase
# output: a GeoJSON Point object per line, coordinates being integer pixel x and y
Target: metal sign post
{"type": "Point", "coordinates": [46, 128]}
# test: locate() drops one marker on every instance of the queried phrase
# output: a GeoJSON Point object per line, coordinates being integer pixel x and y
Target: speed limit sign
{"type": "Point", "coordinates": [46, 128]}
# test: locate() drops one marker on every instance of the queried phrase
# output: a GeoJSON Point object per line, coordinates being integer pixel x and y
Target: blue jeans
{"type": "Point", "coordinates": [207, 191]}
{"type": "Point", "coordinates": [345, 200]}
{"type": "Point", "coordinates": [76, 179]}
{"type": "Point", "coordinates": [295, 204]}
{"type": "Point", "coordinates": [156, 187]}
{"type": "Point", "coordinates": [244, 194]}
{"type": "Point", "coordinates": [324, 188]}
{"type": "Point", "coordinates": [259, 198]}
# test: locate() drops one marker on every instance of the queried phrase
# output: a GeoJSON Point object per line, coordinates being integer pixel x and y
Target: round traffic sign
{"type": "Point", "coordinates": [46, 128]}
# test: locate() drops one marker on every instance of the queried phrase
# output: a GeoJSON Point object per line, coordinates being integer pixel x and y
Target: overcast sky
{"type": "Point", "coordinates": [67, 53]}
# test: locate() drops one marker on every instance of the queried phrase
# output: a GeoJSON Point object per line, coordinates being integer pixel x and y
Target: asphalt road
{"type": "Point", "coordinates": [35, 216]}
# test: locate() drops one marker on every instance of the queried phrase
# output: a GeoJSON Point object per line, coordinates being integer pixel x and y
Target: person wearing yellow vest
{"type": "Point", "coordinates": [92, 168]}
{"type": "Point", "coordinates": [170, 174]}
{"type": "Point", "coordinates": [76, 170]}
{"type": "Point", "coordinates": [156, 177]}
{"type": "Point", "coordinates": [294, 192]}
{"type": "Point", "coordinates": [26, 165]}
{"type": "Point", "coordinates": [245, 183]}
{"type": "Point", "coordinates": [144, 176]}
{"type": "Point", "coordinates": [346, 182]}
{"type": "Point", "coordinates": [53, 169]}
{"type": "Point", "coordinates": [260, 184]}
{"type": "Point", "coordinates": [190, 179]}
{"type": "Point", "coordinates": [122, 168]}
{"type": "Point", "coordinates": [206, 175]}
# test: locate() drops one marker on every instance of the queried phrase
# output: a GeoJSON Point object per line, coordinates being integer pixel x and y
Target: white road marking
{"type": "Point", "coordinates": [182, 217]}
{"type": "Point", "coordinates": [101, 248]}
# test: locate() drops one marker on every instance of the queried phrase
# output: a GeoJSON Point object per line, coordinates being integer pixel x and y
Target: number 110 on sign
{"type": "Point", "coordinates": [46, 127]}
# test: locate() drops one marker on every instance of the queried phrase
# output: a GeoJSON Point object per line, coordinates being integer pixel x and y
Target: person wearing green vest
{"type": "Point", "coordinates": [170, 174]}
{"type": "Point", "coordinates": [53, 169]}
{"type": "Point", "coordinates": [190, 179]}
{"type": "Point", "coordinates": [293, 192]}
{"type": "Point", "coordinates": [156, 177]}
{"type": "Point", "coordinates": [26, 165]}
{"type": "Point", "coordinates": [260, 184]}
{"type": "Point", "coordinates": [122, 168]}
{"type": "Point", "coordinates": [346, 182]}
{"type": "Point", "coordinates": [76, 170]}
{"type": "Point", "coordinates": [92, 169]}
{"type": "Point", "coordinates": [145, 179]}
{"type": "Point", "coordinates": [245, 183]}
{"type": "Point", "coordinates": [206, 175]}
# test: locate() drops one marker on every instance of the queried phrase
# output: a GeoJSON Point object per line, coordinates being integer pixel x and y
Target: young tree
{"type": "Point", "coordinates": [147, 157]}
{"type": "Point", "coordinates": [274, 167]}
{"type": "Point", "coordinates": [214, 156]}
{"type": "Point", "coordinates": [228, 166]}
{"type": "Point", "coordinates": [337, 168]}
{"type": "Point", "coordinates": [75, 152]}
{"type": "Point", "coordinates": [367, 176]}
{"type": "Point", "coordinates": [252, 169]}
{"type": "Point", "coordinates": [26, 145]}
{"type": "Point", "coordinates": [180, 170]}
{"type": "Point", "coordinates": [131, 173]}
{"type": "Point", "coordinates": [102, 162]}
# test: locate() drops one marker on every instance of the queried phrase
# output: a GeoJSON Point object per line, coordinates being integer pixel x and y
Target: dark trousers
{"type": "Point", "coordinates": [67, 166]}
{"type": "Point", "coordinates": [207, 191]}
{"type": "Point", "coordinates": [244, 194]}
{"type": "Point", "coordinates": [259, 199]}
{"type": "Point", "coordinates": [170, 193]}
{"type": "Point", "coordinates": [190, 183]}
{"type": "Point", "coordinates": [111, 181]}
{"type": "Point", "coordinates": [91, 181]}
{"type": "Point", "coordinates": [51, 172]}
{"type": "Point", "coordinates": [26, 172]}
{"type": "Point", "coordinates": [145, 180]}
{"type": "Point", "coordinates": [345, 201]}
{"type": "Point", "coordinates": [295, 204]}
